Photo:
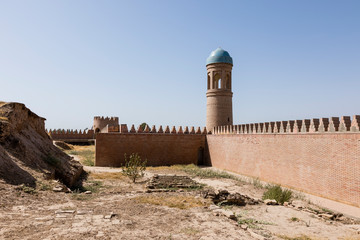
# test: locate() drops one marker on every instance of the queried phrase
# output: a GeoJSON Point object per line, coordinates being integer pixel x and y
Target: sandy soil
{"type": "Point", "coordinates": [114, 212]}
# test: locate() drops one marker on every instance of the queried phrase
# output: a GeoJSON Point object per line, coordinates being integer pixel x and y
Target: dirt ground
{"type": "Point", "coordinates": [120, 209]}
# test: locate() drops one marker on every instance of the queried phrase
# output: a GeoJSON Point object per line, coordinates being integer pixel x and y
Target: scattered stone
{"type": "Point", "coordinates": [270, 202]}
{"type": "Point", "coordinates": [127, 222]}
{"type": "Point", "coordinates": [226, 213]}
{"type": "Point", "coordinates": [327, 216]}
{"type": "Point", "coordinates": [65, 211]}
{"type": "Point", "coordinates": [244, 226]}
{"type": "Point", "coordinates": [57, 189]}
{"type": "Point", "coordinates": [171, 182]}
{"type": "Point", "coordinates": [286, 204]}
{"type": "Point", "coordinates": [80, 212]}
{"type": "Point", "coordinates": [223, 197]}
{"type": "Point", "coordinates": [159, 190]}
{"type": "Point", "coordinates": [88, 192]}
{"type": "Point", "coordinates": [298, 204]}
{"type": "Point", "coordinates": [214, 207]}
{"type": "Point", "coordinates": [110, 215]}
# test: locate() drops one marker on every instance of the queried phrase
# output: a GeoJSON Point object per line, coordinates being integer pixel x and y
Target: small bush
{"type": "Point", "coordinates": [277, 193]}
{"type": "Point", "coordinates": [42, 186]}
{"type": "Point", "coordinates": [134, 167]}
{"type": "Point", "coordinates": [26, 189]}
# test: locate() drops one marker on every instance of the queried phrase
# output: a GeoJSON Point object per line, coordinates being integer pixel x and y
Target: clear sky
{"type": "Point", "coordinates": [144, 61]}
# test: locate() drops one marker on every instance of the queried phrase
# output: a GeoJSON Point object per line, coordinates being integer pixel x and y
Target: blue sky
{"type": "Point", "coordinates": [144, 61]}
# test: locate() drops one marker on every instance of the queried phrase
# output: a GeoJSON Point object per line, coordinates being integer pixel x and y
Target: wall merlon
{"type": "Point", "coordinates": [132, 129]}
{"type": "Point", "coordinates": [314, 125]}
{"type": "Point", "coordinates": [147, 129]}
{"type": "Point", "coordinates": [139, 130]}
{"type": "Point", "coordinates": [324, 125]}
{"type": "Point", "coordinates": [345, 124]}
{"type": "Point", "coordinates": [204, 131]}
{"type": "Point", "coordinates": [186, 131]}
{"type": "Point", "coordinates": [153, 129]}
{"type": "Point", "coordinates": [355, 124]}
{"type": "Point", "coordinates": [334, 124]}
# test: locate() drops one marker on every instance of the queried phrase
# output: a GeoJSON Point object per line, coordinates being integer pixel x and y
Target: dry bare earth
{"type": "Point", "coordinates": [123, 210]}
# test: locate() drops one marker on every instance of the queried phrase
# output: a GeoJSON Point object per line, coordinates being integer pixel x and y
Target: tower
{"type": "Point", "coordinates": [219, 95]}
{"type": "Point", "coordinates": [100, 123]}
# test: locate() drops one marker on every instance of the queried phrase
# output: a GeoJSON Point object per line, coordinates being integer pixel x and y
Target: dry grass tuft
{"type": "Point", "coordinates": [181, 202]}
{"type": "Point", "coordinates": [107, 175]}
{"type": "Point", "coordinates": [190, 231]}
{"type": "Point", "coordinates": [302, 237]}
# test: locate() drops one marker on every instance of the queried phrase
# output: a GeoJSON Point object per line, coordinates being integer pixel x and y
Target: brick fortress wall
{"type": "Point", "coordinates": [160, 147]}
{"type": "Point", "coordinates": [318, 156]}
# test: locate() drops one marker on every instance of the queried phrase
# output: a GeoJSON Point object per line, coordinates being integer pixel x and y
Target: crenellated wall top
{"type": "Point", "coordinates": [162, 130]}
{"type": "Point", "coordinates": [69, 131]}
{"type": "Point", "coordinates": [116, 119]}
{"type": "Point", "coordinates": [315, 125]}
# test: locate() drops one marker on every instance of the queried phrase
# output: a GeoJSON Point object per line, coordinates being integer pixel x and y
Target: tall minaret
{"type": "Point", "coordinates": [219, 95]}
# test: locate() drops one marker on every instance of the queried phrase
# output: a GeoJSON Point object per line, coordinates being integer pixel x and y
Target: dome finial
{"type": "Point", "coordinates": [219, 55]}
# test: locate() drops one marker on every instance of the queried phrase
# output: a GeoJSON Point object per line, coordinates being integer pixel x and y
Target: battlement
{"type": "Point", "coordinates": [115, 119]}
{"type": "Point", "coordinates": [62, 134]}
{"type": "Point", "coordinates": [315, 125]}
{"type": "Point", "coordinates": [161, 130]}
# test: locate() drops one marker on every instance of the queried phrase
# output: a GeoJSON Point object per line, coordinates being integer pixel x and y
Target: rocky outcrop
{"type": "Point", "coordinates": [27, 153]}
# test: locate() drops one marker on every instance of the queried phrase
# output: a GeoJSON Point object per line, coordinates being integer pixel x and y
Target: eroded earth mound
{"type": "Point", "coordinates": [27, 153]}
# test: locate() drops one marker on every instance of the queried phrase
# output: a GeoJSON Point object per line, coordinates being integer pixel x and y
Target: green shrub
{"type": "Point", "coordinates": [277, 193]}
{"type": "Point", "coordinates": [26, 189]}
{"type": "Point", "coordinates": [134, 167]}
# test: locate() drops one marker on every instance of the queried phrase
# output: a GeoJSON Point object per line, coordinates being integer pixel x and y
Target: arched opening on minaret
{"type": "Point", "coordinates": [217, 82]}
{"type": "Point", "coordinates": [228, 81]}
{"type": "Point", "coordinates": [208, 82]}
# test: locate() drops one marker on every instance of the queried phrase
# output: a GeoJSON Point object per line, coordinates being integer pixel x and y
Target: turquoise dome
{"type": "Point", "coordinates": [219, 55]}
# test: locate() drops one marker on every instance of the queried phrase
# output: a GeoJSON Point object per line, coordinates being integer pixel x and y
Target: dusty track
{"type": "Point", "coordinates": [115, 212]}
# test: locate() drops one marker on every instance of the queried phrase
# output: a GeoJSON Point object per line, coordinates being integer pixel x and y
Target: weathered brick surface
{"type": "Point", "coordinates": [322, 164]}
{"type": "Point", "coordinates": [158, 149]}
